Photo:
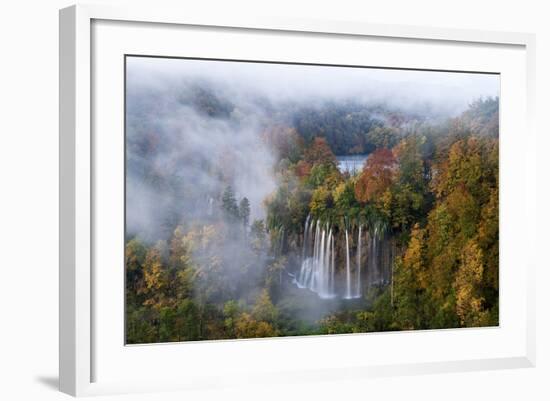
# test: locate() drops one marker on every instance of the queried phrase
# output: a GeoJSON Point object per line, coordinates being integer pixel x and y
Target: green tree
{"type": "Point", "coordinates": [410, 282]}
{"type": "Point", "coordinates": [134, 253]}
{"type": "Point", "coordinates": [244, 211]}
{"type": "Point", "coordinates": [258, 235]}
{"type": "Point", "coordinates": [322, 203]}
{"type": "Point", "coordinates": [231, 313]}
{"type": "Point", "coordinates": [229, 204]}
{"type": "Point", "coordinates": [409, 197]}
{"type": "Point", "coordinates": [186, 325]}
{"type": "Point", "coordinates": [344, 195]}
{"type": "Point", "coordinates": [264, 309]}
{"type": "Point", "coordinates": [326, 174]}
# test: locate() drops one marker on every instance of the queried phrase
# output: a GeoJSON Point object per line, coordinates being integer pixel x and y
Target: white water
{"type": "Point", "coordinates": [374, 270]}
{"type": "Point", "coordinates": [210, 209]}
{"type": "Point", "coordinates": [304, 247]}
{"type": "Point", "coordinates": [319, 272]}
{"type": "Point", "coordinates": [358, 283]}
{"type": "Point", "coordinates": [332, 265]}
{"type": "Point", "coordinates": [352, 164]}
{"type": "Point", "coordinates": [348, 270]}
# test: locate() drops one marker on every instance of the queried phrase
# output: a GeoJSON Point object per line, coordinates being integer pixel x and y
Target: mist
{"type": "Point", "coordinates": [197, 152]}
{"type": "Point", "coordinates": [203, 137]}
{"type": "Point", "coordinates": [445, 93]}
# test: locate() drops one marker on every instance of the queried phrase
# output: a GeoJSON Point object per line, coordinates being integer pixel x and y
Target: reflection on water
{"type": "Point", "coordinates": [351, 163]}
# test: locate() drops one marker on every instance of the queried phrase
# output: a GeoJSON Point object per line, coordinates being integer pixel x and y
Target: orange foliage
{"type": "Point", "coordinates": [377, 175]}
{"type": "Point", "coordinates": [319, 152]}
{"type": "Point", "coordinates": [302, 169]}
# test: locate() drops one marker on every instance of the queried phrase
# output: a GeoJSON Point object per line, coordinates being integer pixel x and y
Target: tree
{"type": "Point", "coordinates": [344, 196]}
{"type": "Point", "coordinates": [248, 327]}
{"type": "Point", "coordinates": [324, 174]}
{"type": "Point", "coordinates": [135, 253]}
{"type": "Point", "coordinates": [258, 235]}
{"type": "Point", "coordinates": [244, 211]}
{"type": "Point", "coordinates": [154, 271]}
{"type": "Point", "coordinates": [229, 204]}
{"type": "Point", "coordinates": [302, 169]}
{"type": "Point", "coordinates": [274, 278]}
{"type": "Point", "coordinates": [179, 252]}
{"type": "Point", "coordinates": [408, 198]}
{"type": "Point", "coordinates": [285, 141]}
{"type": "Point", "coordinates": [319, 152]}
{"type": "Point", "coordinates": [488, 235]}
{"type": "Point", "coordinates": [231, 312]}
{"type": "Point", "coordinates": [377, 175]}
{"type": "Point", "coordinates": [186, 321]}
{"type": "Point", "coordinates": [463, 167]}
{"type": "Point", "coordinates": [383, 137]}
{"type": "Point", "coordinates": [321, 202]}
{"type": "Point", "coordinates": [415, 257]}
{"type": "Point", "coordinates": [264, 309]}
{"type": "Point", "coordinates": [481, 117]}
{"type": "Point", "coordinates": [410, 282]}
{"type": "Point", "coordinates": [469, 301]}
{"type": "Point", "coordinates": [156, 279]}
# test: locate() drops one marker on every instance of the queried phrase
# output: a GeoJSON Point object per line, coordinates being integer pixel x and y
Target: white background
{"type": "Point", "coordinates": [113, 362]}
{"type": "Point", "coordinates": [28, 202]}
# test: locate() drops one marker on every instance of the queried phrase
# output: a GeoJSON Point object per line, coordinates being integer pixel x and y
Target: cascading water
{"type": "Point", "coordinates": [348, 269]}
{"type": "Point", "coordinates": [210, 209]}
{"type": "Point", "coordinates": [317, 271]}
{"type": "Point", "coordinates": [375, 272]}
{"type": "Point", "coordinates": [332, 266]}
{"type": "Point", "coordinates": [359, 254]}
{"type": "Point", "coordinates": [304, 247]}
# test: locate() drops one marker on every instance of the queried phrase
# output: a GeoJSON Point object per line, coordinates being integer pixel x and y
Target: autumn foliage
{"type": "Point", "coordinates": [319, 153]}
{"type": "Point", "coordinates": [377, 176]}
{"type": "Point", "coordinates": [432, 196]}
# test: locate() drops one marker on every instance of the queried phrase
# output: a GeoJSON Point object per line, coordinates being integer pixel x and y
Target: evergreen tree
{"type": "Point", "coordinates": [229, 204]}
{"type": "Point", "coordinates": [258, 236]}
{"type": "Point", "coordinates": [244, 211]}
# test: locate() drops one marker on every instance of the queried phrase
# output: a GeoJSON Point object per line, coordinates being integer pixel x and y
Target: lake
{"type": "Point", "coordinates": [351, 163]}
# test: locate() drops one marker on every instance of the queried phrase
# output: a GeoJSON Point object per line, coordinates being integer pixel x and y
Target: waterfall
{"type": "Point", "coordinates": [281, 241]}
{"type": "Point", "coordinates": [309, 234]}
{"type": "Point", "coordinates": [358, 288]}
{"type": "Point", "coordinates": [304, 247]}
{"type": "Point", "coordinates": [317, 270]}
{"type": "Point", "coordinates": [348, 270]}
{"type": "Point", "coordinates": [327, 268]}
{"type": "Point", "coordinates": [320, 265]}
{"type": "Point", "coordinates": [210, 209]}
{"type": "Point", "coordinates": [332, 267]}
{"type": "Point", "coordinates": [379, 259]}
{"type": "Point", "coordinates": [315, 260]}
{"type": "Point", "coordinates": [375, 266]}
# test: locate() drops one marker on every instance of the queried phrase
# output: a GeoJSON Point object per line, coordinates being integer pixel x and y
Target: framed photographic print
{"type": "Point", "coordinates": [343, 196]}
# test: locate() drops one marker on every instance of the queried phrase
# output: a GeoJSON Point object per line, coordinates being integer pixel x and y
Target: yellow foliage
{"type": "Point", "coordinates": [264, 308]}
{"type": "Point", "coordinates": [153, 271]}
{"type": "Point", "coordinates": [414, 256]}
{"type": "Point", "coordinates": [247, 327]}
{"type": "Point", "coordinates": [469, 302]}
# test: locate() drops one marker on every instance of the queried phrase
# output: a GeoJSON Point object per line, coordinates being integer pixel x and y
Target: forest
{"type": "Point", "coordinates": [253, 228]}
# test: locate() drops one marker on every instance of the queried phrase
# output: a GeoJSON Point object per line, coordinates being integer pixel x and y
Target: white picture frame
{"type": "Point", "coordinates": [78, 228]}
